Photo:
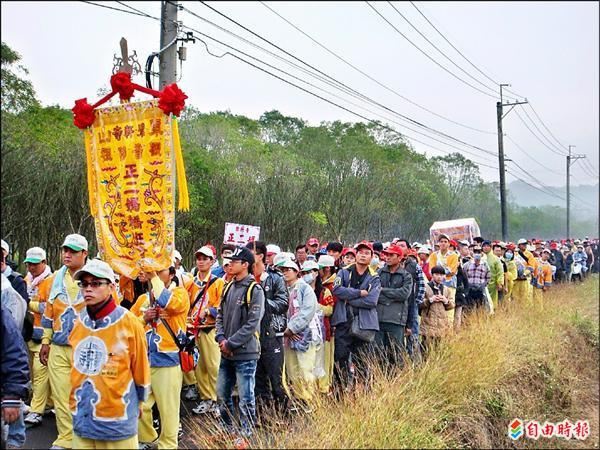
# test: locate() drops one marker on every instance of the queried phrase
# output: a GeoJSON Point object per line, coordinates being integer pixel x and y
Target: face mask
{"type": "Point", "coordinates": [477, 256]}
{"type": "Point", "coordinates": [308, 278]}
{"type": "Point", "coordinates": [508, 256]}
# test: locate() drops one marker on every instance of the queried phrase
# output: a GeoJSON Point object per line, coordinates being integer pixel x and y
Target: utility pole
{"type": "Point", "coordinates": [503, 212]}
{"type": "Point", "coordinates": [570, 160]}
{"type": "Point", "coordinates": [168, 37]}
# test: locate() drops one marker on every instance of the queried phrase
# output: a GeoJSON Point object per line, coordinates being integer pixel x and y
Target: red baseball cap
{"type": "Point", "coordinates": [394, 250]}
{"type": "Point", "coordinates": [453, 243]}
{"type": "Point", "coordinates": [312, 241]}
{"type": "Point", "coordinates": [362, 244]}
{"type": "Point", "coordinates": [348, 250]}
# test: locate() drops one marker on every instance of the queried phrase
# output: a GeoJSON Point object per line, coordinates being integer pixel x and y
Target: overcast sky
{"type": "Point", "coordinates": [547, 51]}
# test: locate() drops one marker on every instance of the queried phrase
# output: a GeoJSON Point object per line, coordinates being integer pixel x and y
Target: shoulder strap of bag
{"type": "Point", "coordinates": [203, 292]}
{"type": "Point", "coordinates": [249, 293]}
{"type": "Point", "coordinates": [170, 330]}
{"type": "Point", "coordinates": [164, 322]}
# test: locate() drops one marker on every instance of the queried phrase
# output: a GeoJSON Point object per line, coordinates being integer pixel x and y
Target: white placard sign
{"type": "Point", "coordinates": [238, 234]}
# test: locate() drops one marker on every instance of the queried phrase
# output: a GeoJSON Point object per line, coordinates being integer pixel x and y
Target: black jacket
{"type": "Point", "coordinates": [396, 290]}
{"type": "Point", "coordinates": [462, 287]}
{"type": "Point", "coordinates": [274, 320]}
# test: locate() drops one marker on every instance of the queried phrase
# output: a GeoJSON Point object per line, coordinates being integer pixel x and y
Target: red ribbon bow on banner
{"type": "Point", "coordinates": [171, 99]}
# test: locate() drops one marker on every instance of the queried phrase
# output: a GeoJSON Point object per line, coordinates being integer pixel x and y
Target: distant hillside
{"type": "Point", "coordinates": [584, 197]}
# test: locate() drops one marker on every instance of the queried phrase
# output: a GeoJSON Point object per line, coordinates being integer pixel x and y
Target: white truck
{"type": "Point", "coordinates": [457, 229]}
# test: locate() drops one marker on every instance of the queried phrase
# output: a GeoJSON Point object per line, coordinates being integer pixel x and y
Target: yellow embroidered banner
{"type": "Point", "coordinates": [132, 155]}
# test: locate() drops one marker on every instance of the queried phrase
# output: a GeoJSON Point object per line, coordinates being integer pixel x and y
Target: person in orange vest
{"type": "Point", "coordinates": [542, 276]}
{"type": "Point", "coordinates": [163, 312]}
{"type": "Point", "coordinates": [39, 282]}
{"type": "Point", "coordinates": [110, 374]}
{"type": "Point", "coordinates": [448, 259]}
{"type": "Point", "coordinates": [64, 302]}
{"type": "Point", "coordinates": [204, 297]}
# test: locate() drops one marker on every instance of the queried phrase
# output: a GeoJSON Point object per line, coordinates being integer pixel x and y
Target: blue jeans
{"type": "Point", "coordinates": [14, 434]}
{"type": "Point", "coordinates": [242, 373]}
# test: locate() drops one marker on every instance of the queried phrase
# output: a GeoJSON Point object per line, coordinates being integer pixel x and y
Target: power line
{"type": "Point", "coordinates": [586, 162]}
{"type": "Point", "coordinates": [113, 8]}
{"type": "Point", "coordinates": [379, 124]}
{"type": "Point", "coordinates": [546, 189]}
{"type": "Point", "coordinates": [534, 187]}
{"type": "Point", "coordinates": [531, 157]}
{"type": "Point", "coordinates": [140, 13]}
{"type": "Point", "coordinates": [370, 77]}
{"type": "Point", "coordinates": [583, 202]}
{"type": "Point", "coordinates": [486, 76]}
{"type": "Point", "coordinates": [536, 136]}
{"type": "Point", "coordinates": [332, 94]}
{"type": "Point", "coordinates": [440, 51]}
{"type": "Point", "coordinates": [587, 171]}
{"type": "Point", "coordinates": [541, 133]}
{"type": "Point", "coordinates": [544, 125]}
{"type": "Point", "coordinates": [348, 89]}
{"type": "Point", "coordinates": [459, 52]}
{"type": "Point", "coordinates": [426, 54]}
{"type": "Point", "coordinates": [325, 99]}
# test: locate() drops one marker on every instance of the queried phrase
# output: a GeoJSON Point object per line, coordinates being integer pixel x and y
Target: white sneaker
{"type": "Point", "coordinates": [203, 407]}
{"type": "Point", "coordinates": [33, 419]}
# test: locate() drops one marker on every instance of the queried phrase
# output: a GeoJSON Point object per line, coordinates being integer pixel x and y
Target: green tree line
{"type": "Point", "coordinates": [337, 180]}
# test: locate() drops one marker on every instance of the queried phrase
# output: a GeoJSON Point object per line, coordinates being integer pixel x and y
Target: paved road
{"type": "Point", "coordinates": [42, 436]}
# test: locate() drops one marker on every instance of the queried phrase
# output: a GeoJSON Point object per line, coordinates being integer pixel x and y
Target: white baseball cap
{"type": "Point", "coordinates": [177, 255]}
{"type": "Point", "coordinates": [326, 261]}
{"type": "Point", "coordinates": [310, 265]}
{"type": "Point", "coordinates": [423, 249]}
{"type": "Point", "coordinates": [522, 241]}
{"type": "Point", "coordinates": [76, 242]}
{"type": "Point", "coordinates": [280, 257]}
{"type": "Point", "coordinates": [273, 249]}
{"type": "Point", "coordinates": [96, 268]}
{"type": "Point", "coordinates": [206, 251]}
{"type": "Point", "coordinates": [5, 247]}
{"type": "Point", "coordinates": [289, 264]}
{"type": "Point", "coordinates": [35, 255]}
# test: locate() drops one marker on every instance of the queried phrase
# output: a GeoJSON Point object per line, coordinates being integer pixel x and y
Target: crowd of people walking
{"type": "Point", "coordinates": [106, 353]}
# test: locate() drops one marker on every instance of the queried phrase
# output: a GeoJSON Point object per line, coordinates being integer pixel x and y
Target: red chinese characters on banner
{"type": "Point", "coordinates": [131, 175]}
{"type": "Point", "coordinates": [238, 234]}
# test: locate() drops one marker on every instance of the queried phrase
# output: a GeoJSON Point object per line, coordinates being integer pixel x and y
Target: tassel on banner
{"type": "Point", "coordinates": [182, 188]}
